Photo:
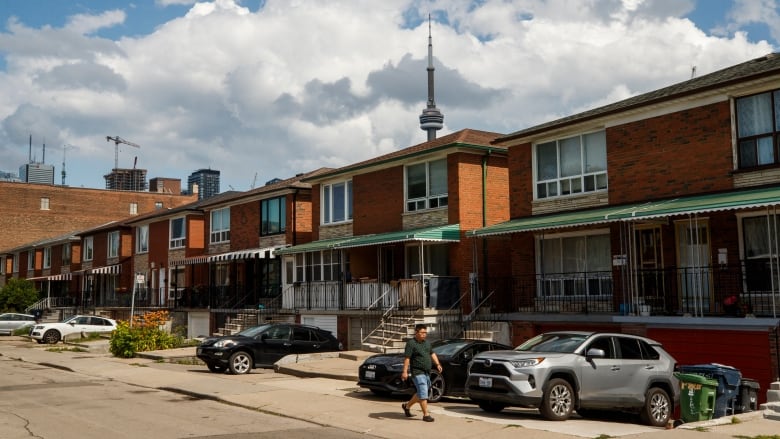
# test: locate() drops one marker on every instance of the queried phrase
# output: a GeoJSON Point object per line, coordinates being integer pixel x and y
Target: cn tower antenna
{"type": "Point", "coordinates": [431, 119]}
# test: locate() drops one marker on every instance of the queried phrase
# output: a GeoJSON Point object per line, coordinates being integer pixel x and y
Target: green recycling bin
{"type": "Point", "coordinates": [697, 397]}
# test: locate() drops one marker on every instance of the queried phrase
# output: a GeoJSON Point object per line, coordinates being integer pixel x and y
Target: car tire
{"type": "Point", "coordinates": [491, 406]}
{"type": "Point", "coordinates": [240, 363]}
{"type": "Point", "coordinates": [51, 336]}
{"type": "Point", "coordinates": [558, 400]}
{"type": "Point", "coordinates": [216, 368]}
{"type": "Point", "coordinates": [438, 387]}
{"type": "Point", "coordinates": [657, 409]}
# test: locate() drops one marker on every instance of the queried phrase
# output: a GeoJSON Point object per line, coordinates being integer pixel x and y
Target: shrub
{"type": "Point", "coordinates": [17, 295]}
{"type": "Point", "coordinates": [146, 334]}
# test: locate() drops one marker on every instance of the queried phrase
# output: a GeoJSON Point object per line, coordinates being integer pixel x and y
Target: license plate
{"type": "Point", "coordinates": [198, 351]}
{"type": "Point", "coordinates": [485, 382]}
{"type": "Point", "coordinates": [370, 374]}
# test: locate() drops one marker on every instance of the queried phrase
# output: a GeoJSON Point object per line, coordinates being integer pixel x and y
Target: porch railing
{"type": "Point", "coordinates": [335, 295]}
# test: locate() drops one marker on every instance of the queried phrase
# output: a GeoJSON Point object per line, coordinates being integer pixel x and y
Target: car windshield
{"type": "Point", "coordinates": [253, 331]}
{"type": "Point", "coordinates": [445, 347]}
{"type": "Point", "coordinates": [558, 342]}
{"type": "Point", "coordinates": [69, 319]}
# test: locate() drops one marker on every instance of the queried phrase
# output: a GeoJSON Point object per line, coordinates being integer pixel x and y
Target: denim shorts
{"type": "Point", "coordinates": [423, 383]}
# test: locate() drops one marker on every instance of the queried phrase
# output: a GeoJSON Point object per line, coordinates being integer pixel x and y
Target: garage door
{"type": "Point", "coordinates": [328, 323]}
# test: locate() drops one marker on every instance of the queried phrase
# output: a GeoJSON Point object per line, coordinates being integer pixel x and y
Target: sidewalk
{"type": "Point", "coordinates": [332, 401]}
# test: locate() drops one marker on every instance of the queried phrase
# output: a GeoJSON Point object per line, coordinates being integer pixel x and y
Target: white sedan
{"type": "Point", "coordinates": [53, 332]}
{"type": "Point", "coordinates": [10, 322]}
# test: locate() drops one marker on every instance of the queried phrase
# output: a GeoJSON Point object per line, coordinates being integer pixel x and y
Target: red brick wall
{"type": "Point", "coordinates": [71, 209]}
{"type": "Point", "coordinates": [521, 186]}
{"type": "Point", "coordinates": [300, 217]}
{"type": "Point", "coordinates": [378, 201]}
{"type": "Point", "coordinates": [316, 191]}
{"type": "Point", "coordinates": [653, 158]}
{"type": "Point", "coordinates": [245, 225]}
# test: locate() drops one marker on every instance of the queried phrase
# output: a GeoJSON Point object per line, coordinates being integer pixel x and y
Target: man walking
{"type": "Point", "coordinates": [418, 356]}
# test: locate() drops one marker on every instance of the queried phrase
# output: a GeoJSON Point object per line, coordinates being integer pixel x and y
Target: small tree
{"type": "Point", "coordinates": [17, 295]}
{"type": "Point", "coordinates": [146, 334]}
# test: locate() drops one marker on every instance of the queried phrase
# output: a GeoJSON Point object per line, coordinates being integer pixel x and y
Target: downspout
{"type": "Point", "coordinates": [294, 217]}
{"type": "Point", "coordinates": [484, 222]}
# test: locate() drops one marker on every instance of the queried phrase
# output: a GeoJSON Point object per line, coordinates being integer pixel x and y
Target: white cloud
{"type": "Point", "coordinates": [302, 84]}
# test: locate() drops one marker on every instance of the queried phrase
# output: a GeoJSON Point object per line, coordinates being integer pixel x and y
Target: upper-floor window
{"type": "Point", "coordinates": [758, 129]}
{"type": "Point", "coordinates": [133, 208]}
{"type": "Point", "coordinates": [66, 252]}
{"type": "Point", "coordinates": [178, 233]}
{"type": "Point", "coordinates": [44, 203]}
{"type": "Point", "coordinates": [142, 239]}
{"type": "Point", "coordinates": [2, 265]}
{"type": "Point", "coordinates": [158, 205]}
{"type": "Point", "coordinates": [113, 244]}
{"type": "Point", "coordinates": [88, 248]}
{"type": "Point", "coordinates": [426, 185]}
{"type": "Point", "coordinates": [272, 214]}
{"type": "Point", "coordinates": [220, 225]}
{"type": "Point", "coordinates": [571, 166]}
{"type": "Point", "coordinates": [337, 202]}
{"type": "Point", "coordinates": [15, 263]}
{"type": "Point", "coordinates": [47, 257]}
{"type": "Point", "coordinates": [31, 259]}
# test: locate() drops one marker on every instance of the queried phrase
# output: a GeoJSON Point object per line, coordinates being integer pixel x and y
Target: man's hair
{"type": "Point", "coordinates": [420, 326]}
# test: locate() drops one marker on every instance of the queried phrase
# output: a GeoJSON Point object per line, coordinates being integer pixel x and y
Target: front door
{"type": "Point", "coordinates": [650, 274]}
{"type": "Point", "coordinates": [693, 254]}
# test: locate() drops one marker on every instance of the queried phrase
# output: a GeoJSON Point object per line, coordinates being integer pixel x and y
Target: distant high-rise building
{"type": "Point", "coordinates": [126, 180]}
{"type": "Point", "coordinates": [165, 185]}
{"type": "Point", "coordinates": [207, 181]}
{"type": "Point", "coordinates": [36, 173]}
{"type": "Point", "coordinates": [8, 176]}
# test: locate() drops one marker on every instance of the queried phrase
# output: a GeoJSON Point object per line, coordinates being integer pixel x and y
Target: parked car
{"type": "Point", "coordinates": [264, 345]}
{"type": "Point", "coordinates": [559, 372]}
{"type": "Point", "coordinates": [10, 322]}
{"type": "Point", "coordinates": [53, 332]}
{"type": "Point", "coordinates": [381, 373]}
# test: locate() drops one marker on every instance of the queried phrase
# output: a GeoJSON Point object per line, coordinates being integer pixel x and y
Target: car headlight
{"type": "Point", "coordinates": [224, 343]}
{"type": "Point", "coordinates": [39, 327]}
{"type": "Point", "coordinates": [531, 362]}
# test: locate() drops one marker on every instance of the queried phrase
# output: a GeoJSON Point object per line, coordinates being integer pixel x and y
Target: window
{"type": "Point", "coordinates": [318, 266]}
{"type": "Point", "coordinates": [44, 203]}
{"type": "Point", "coordinates": [47, 257]}
{"type": "Point", "coordinates": [177, 233]}
{"type": "Point", "coordinates": [158, 205]}
{"type": "Point", "coordinates": [571, 166]}
{"type": "Point", "coordinates": [273, 218]}
{"type": "Point", "coordinates": [2, 265]}
{"type": "Point", "coordinates": [31, 259]}
{"type": "Point", "coordinates": [133, 208]}
{"type": "Point", "coordinates": [113, 244]}
{"type": "Point", "coordinates": [435, 260]}
{"type": "Point", "coordinates": [426, 185]}
{"type": "Point", "coordinates": [758, 129]}
{"type": "Point", "coordinates": [574, 265]}
{"type": "Point", "coordinates": [88, 248]}
{"type": "Point", "coordinates": [66, 253]}
{"type": "Point", "coordinates": [337, 202]}
{"type": "Point", "coordinates": [15, 263]}
{"type": "Point", "coordinates": [142, 239]}
{"type": "Point", "coordinates": [759, 260]}
{"type": "Point", "coordinates": [220, 225]}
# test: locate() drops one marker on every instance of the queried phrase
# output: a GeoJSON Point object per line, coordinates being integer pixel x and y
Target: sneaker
{"type": "Point", "coordinates": [406, 411]}
{"type": "Point", "coordinates": [427, 418]}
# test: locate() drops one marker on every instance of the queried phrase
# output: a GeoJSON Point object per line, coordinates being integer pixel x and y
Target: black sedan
{"type": "Point", "coordinates": [382, 373]}
{"type": "Point", "coordinates": [264, 345]}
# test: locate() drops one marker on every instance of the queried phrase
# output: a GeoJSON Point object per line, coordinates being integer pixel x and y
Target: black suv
{"type": "Point", "coordinates": [264, 345]}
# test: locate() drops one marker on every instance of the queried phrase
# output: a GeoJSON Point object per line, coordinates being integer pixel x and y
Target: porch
{"type": "Point", "coordinates": [363, 295]}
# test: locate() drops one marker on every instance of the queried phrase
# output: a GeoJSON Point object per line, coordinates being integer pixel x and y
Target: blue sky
{"type": "Point", "coordinates": [273, 88]}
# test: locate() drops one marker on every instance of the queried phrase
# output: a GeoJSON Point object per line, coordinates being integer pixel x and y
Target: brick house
{"type": "Point", "coordinates": [388, 236]}
{"type": "Point", "coordinates": [656, 215]}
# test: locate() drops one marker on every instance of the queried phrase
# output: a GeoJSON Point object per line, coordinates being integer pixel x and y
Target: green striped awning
{"type": "Point", "coordinates": [324, 244]}
{"type": "Point", "coordinates": [734, 200]}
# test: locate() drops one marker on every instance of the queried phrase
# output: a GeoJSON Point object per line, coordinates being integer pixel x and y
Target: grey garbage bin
{"type": "Point", "coordinates": [747, 400]}
{"type": "Point", "coordinates": [728, 384]}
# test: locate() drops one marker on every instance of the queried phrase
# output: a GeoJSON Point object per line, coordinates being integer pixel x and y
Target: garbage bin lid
{"type": "Point", "coordinates": [695, 378]}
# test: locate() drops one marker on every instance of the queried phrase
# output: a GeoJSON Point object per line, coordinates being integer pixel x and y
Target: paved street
{"type": "Point", "coordinates": [317, 401]}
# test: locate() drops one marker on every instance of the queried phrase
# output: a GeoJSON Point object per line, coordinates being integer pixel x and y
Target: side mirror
{"type": "Point", "coordinates": [263, 337]}
{"type": "Point", "coordinates": [595, 353]}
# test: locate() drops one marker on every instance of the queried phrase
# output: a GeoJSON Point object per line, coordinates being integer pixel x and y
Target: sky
{"type": "Point", "coordinates": [264, 89]}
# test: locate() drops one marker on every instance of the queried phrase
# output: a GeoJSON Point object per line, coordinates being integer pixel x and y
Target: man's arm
{"type": "Point", "coordinates": [436, 361]}
{"type": "Point", "coordinates": [405, 372]}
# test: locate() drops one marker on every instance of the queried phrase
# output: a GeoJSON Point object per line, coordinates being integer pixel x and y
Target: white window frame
{"type": "Point", "coordinates": [113, 244]}
{"type": "Point", "coordinates": [133, 208]}
{"type": "Point", "coordinates": [31, 259]}
{"type": "Point", "coordinates": [588, 179]}
{"type": "Point", "coordinates": [219, 225]}
{"type": "Point", "coordinates": [432, 199]}
{"type": "Point", "coordinates": [319, 266]}
{"type": "Point", "coordinates": [327, 202]}
{"type": "Point", "coordinates": [47, 257]}
{"type": "Point", "coordinates": [89, 248]}
{"type": "Point", "coordinates": [177, 241]}
{"type": "Point", "coordinates": [142, 239]}
{"type": "Point", "coordinates": [45, 203]}
{"type": "Point", "coordinates": [557, 284]}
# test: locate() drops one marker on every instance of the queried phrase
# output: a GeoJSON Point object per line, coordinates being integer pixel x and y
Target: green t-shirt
{"type": "Point", "coordinates": [419, 355]}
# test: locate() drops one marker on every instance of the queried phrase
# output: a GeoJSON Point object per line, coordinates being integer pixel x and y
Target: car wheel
{"type": "Point", "coordinates": [657, 409]}
{"type": "Point", "coordinates": [438, 387]}
{"type": "Point", "coordinates": [380, 392]}
{"type": "Point", "coordinates": [558, 400]}
{"type": "Point", "coordinates": [240, 363]}
{"type": "Point", "coordinates": [51, 336]}
{"type": "Point", "coordinates": [491, 406]}
{"type": "Point", "coordinates": [216, 368]}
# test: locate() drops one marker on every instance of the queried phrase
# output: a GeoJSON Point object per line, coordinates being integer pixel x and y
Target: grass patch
{"type": "Point", "coordinates": [187, 361]}
{"type": "Point", "coordinates": [138, 365]}
{"type": "Point", "coordinates": [67, 349]}
{"type": "Point", "coordinates": [603, 436]}
{"type": "Point", "coordinates": [735, 420]}
{"type": "Point", "coordinates": [513, 426]}
{"type": "Point", "coordinates": [702, 429]}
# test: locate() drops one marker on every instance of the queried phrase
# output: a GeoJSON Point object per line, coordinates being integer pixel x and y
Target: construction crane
{"type": "Point", "coordinates": [117, 140]}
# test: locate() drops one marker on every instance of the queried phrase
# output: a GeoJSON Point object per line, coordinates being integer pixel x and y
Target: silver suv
{"type": "Point", "coordinates": [559, 372]}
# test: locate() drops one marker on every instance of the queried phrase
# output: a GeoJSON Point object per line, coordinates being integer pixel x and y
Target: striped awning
{"type": "Point", "coordinates": [255, 253]}
{"type": "Point", "coordinates": [192, 260]}
{"type": "Point", "coordinates": [66, 276]}
{"type": "Point", "coordinates": [109, 269]}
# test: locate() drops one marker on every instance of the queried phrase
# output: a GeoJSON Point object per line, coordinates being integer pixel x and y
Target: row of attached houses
{"type": "Point", "coordinates": [655, 215]}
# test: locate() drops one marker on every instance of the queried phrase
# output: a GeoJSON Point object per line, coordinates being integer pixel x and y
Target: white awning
{"type": "Point", "coordinates": [189, 261]}
{"type": "Point", "coordinates": [66, 276]}
{"type": "Point", "coordinates": [255, 253]}
{"type": "Point", "coordinates": [110, 269]}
